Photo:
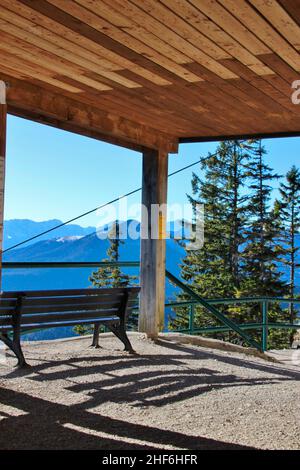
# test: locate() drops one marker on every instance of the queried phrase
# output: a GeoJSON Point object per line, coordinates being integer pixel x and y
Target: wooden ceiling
{"type": "Point", "coordinates": [150, 72]}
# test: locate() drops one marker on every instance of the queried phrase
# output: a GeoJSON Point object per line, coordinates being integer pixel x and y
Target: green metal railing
{"type": "Point", "coordinates": [264, 325]}
{"type": "Point", "coordinates": [213, 311]}
{"type": "Point", "coordinates": [195, 300]}
{"type": "Point", "coordinates": [228, 324]}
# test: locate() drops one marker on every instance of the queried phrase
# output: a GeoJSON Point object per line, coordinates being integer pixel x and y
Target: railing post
{"type": "Point", "coordinates": [264, 325]}
{"type": "Point", "coordinates": [191, 319]}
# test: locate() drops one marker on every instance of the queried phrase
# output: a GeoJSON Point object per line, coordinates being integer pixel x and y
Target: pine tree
{"type": "Point", "coordinates": [111, 276]}
{"type": "Point", "coordinates": [263, 248]}
{"type": "Point", "coordinates": [289, 211]}
{"type": "Point", "coordinates": [241, 251]}
{"type": "Point", "coordinates": [214, 271]}
{"type": "Point", "coordinates": [237, 202]}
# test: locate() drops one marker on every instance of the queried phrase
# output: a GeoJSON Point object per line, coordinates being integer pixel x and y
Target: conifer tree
{"type": "Point", "coordinates": [111, 276]}
{"type": "Point", "coordinates": [214, 270]}
{"type": "Point", "coordinates": [289, 210]}
{"type": "Point", "coordinates": [241, 250]}
{"type": "Point", "coordinates": [262, 248]}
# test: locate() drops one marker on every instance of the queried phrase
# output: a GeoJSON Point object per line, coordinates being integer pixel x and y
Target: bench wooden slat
{"type": "Point", "coordinates": [58, 308]}
{"type": "Point", "coordinates": [45, 317]}
{"type": "Point", "coordinates": [31, 326]}
{"type": "Point", "coordinates": [69, 307]}
{"type": "Point", "coordinates": [7, 302]}
{"type": "Point", "coordinates": [69, 292]}
{"type": "Point", "coordinates": [52, 306]}
{"type": "Point", "coordinates": [71, 315]}
{"type": "Point", "coordinates": [7, 310]}
{"type": "Point", "coordinates": [61, 301]}
{"type": "Point", "coordinates": [81, 309]}
{"type": "Point", "coordinates": [4, 321]}
{"type": "Point", "coordinates": [7, 320]}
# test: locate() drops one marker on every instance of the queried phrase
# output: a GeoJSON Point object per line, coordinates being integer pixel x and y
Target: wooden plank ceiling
{"type": "Point", "coordinates": [150, 72]}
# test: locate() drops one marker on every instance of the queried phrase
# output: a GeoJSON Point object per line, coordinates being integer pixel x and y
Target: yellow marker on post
{"type": "Point", "coordinates": [161, 226]}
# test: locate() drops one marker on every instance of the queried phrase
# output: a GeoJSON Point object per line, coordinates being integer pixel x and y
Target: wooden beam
{"type": "Point", "coordinates": [153, 244]}
{"type": "Point", "coordinates": [48, 121]}
{"type": "Point", "coordinates": [3, 114]}
{"type": "Point", "coordinates": [219, 138]}
{"type": "Point", "coordinates": [31, 101]}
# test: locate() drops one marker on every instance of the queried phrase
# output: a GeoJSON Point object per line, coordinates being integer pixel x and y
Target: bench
{"type": "Point", "coordinates": [29, 310]}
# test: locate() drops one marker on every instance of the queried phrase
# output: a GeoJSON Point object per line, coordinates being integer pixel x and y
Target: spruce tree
{"type": "Point", "coordinates": [214, 270]}
{"type": "Point", "coordinates": [289, 210]}
{"type": "Point", "coordinates": [111, 276]}
{"type": "Point", "coordinates": [263, 249]}
{"type": "Point", "coordinates": [241, 250]}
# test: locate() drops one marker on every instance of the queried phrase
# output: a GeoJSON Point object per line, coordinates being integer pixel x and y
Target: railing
{"type": "Point", "coordinates": [209, 304]}
{"type": "Point", "coordinates": [263, 325]}
{"type": "Point", "coordinates": [229, 325]}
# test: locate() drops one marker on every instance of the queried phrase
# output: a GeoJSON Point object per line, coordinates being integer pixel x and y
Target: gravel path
{"type": "Point", "coordinates": [169, 396]}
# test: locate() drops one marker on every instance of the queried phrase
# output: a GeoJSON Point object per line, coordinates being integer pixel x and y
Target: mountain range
{"type": "Point", "coordinates": [17, 230]}
{"type": "Point", "coordinates": [73, 243]}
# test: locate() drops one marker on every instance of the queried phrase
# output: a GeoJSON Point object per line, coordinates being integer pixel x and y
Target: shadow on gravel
{"type": "Point", "coordinates": [247, 363]}
{"type": "Point", "coordinates": [143, 381]}
{"type": "Point", "coordinates": [48, 425]}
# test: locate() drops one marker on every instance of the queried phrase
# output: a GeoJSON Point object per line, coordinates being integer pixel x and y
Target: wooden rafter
{"type": "Point", "coordinates": [181, 68]}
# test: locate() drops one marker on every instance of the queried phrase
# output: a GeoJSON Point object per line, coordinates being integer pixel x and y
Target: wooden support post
{"type": "Point", "coordinates": [153, 244]}
{"type": "Point", "coordinates": [3, 113]}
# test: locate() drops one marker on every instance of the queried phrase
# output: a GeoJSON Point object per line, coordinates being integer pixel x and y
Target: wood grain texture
{"type": "Point", "coordinates": [68, 112]}
{"type": "Point", "coordinates": [280, 19]}
{"type": "Point", "coordinates": [153, 244]}
{"type": "Point", "coordinates": [263, 30]}
{"type": "Point", "coordinates": [180, 68]}
{"type": "Point", "coordinates": [203, 24]}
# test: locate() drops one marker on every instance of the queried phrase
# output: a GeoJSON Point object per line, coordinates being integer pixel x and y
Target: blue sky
{"type": "Point", "coordinates": [55, 174]}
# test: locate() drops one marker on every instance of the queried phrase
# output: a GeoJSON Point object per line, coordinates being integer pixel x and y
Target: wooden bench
{"type": "Point", "coordinates": [23, 311]}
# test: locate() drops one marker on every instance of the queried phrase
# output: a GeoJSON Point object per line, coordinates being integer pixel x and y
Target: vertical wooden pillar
{"type": "Point", "coordinates": [3, 113]}
{"type": "Point", "coordinates": [153, 244]}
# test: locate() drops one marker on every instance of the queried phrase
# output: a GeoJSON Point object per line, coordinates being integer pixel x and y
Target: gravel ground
{"type": "Point", "coordinates": [168, 396]}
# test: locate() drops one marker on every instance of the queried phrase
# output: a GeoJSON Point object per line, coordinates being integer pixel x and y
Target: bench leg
{"type": "Point", "coordinates": [120, 332]}
{"type": "Point", "coordinates": [95, 343]}
{"type": "Point", "coordinates": [16, 348]}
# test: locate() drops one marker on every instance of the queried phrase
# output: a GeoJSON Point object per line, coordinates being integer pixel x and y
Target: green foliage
{"type": "Point", "coordinates": [288, 210]}
{"type": "Point", "coordinates": [242, 240]}
{"type": "Point", "coordinates": [262, 249]}
{"type": "Point", "coordinates": [110, 276]}
{"type": "Point", "coordinates": [226, 211]}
